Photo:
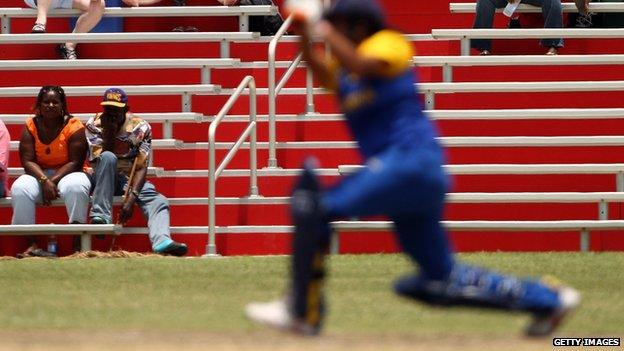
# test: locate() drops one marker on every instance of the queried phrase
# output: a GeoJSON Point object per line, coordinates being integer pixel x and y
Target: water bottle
{"type": "Point", "coordinates": [52, 246]}
{"type": "Point", "coordinates": [511, 8]}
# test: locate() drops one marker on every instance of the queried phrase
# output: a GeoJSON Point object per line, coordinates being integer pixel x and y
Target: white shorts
{"type": "Point", "coordinates": [56, 4]}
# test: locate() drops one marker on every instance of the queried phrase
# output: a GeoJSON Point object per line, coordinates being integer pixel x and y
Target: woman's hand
{"type": "Point", "coordinates": [50, 192]}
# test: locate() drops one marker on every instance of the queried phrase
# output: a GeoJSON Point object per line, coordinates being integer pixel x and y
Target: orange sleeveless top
{"type": "Point", "coordinates": [55, 154]}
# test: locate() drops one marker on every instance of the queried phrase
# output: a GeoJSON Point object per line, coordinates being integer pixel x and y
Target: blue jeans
{"type": "Point", "coordinates": [551, 11]}
{"type": "Point", "coordinates": [409, 185]}
{"type": "Point", "coordinates": [108, 183]}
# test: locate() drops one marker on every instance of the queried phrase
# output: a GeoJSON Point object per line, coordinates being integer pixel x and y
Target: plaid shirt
{"type": "Point", "coordinates": [134, 137]}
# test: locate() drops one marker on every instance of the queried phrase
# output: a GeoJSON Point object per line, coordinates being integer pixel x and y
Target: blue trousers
{"type": "Point", "coordinates": [409, 185]}
{"type": "Point", "coordinates": [551, 11]}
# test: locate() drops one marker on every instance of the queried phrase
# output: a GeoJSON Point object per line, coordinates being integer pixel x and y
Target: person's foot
{"type": "Point", "coordinates": [543, 325]}
{"type": "Point", "coordinates": [514, 23]}
{"type": "Point", "coordinates": [485, 53]}
{"type": "Point", "coordinates": [276, 314]}
{"type": "Point", "coordinates": [179, 2]}
{"type": "Point", "coordinates": [66, 52]}
{"type": "Point", "coordinates": [38, 28]}
{"type": "Point", "coordinates": [584, 21]}
{"type": "Point", "coordinates": [98, 220]}
{"type": "Point", "coordinates": [552, 51]}
{"type": "Point", "coordinates": [173, 248]}
{"type": "Point", "coordinates": [34, 251]}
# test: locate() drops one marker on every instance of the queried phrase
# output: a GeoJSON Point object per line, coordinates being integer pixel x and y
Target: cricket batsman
{"type": "Point", "coordinates": [403, 179]}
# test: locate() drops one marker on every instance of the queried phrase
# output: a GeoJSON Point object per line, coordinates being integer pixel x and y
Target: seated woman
{"type": "Point", "coordinates": [52, 150]}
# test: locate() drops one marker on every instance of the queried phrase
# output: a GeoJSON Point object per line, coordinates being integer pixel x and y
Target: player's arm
{"type": "Point", "coordinates": [314, 58]}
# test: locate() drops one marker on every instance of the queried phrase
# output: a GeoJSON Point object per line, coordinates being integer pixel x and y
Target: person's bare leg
{"type": "Point", "coordinates": [43, 6]}
{"type": "Point", "coordinates": [93, 10]}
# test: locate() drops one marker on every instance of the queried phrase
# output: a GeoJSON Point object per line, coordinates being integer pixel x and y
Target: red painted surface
{"type": "Point", "coordinates": [410, 16]}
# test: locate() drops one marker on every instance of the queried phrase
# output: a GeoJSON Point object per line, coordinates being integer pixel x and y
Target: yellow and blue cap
{"type": "Point", "coordinates": [114, 97]}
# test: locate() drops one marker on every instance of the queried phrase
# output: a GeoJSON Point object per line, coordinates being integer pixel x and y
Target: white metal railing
{"type": "Point", "coordinates": [223, 38]}
{"type": "Point", "coordinates": [242, 12]}
{"type": "Point", "coordinates": [214, 172]}
{"type": "Point", "coordinates": [273, 91]}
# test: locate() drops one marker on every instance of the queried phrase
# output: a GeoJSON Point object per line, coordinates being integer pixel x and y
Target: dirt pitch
{"type": "Point", "coordinates": [268, 340]}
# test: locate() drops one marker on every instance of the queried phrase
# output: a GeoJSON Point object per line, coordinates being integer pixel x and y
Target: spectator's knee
{"type": "Point", "coordinates": [97, 7]}
{"type": "Point", "coordinates": [76, 189]}
{"type": "Point", "coordinates": [20, 191]}
{"type": "Point", "coordinates": [107, 158]}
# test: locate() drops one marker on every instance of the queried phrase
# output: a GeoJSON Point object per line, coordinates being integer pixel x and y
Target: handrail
{"type": "Point", "coordinates": [274, 89]}
{"type": "Point", "coordinates": [272, 163]}
{"type": "Point", "coordinates": [214, 172]}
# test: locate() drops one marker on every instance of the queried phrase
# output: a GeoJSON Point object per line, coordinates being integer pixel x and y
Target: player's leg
{"type": "Point", "coordinates": [388, 184]}
{"type": "Point", "coordinates": [302, 309]}
{"type": "Point", "coordinates": [421, 238]}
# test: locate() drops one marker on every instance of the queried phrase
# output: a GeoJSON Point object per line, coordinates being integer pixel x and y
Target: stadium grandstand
{"type": "Point", "coordinates": [534, 142]}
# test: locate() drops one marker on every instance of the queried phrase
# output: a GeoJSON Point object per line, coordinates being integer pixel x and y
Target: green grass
{"type": "Point", "coordinates": [209, 295]}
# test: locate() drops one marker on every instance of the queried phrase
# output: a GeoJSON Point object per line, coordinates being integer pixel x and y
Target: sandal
{"type": "Point", "coordinates": [38, 28]}
{"type": "Point", "coordinates": [66, 53]}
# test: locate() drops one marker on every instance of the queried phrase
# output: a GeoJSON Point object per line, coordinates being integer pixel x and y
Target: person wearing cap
{"type": "Point", "coordinates": [118, 143]}
{"type": "Point", "coordinates": [551, 11]}
{"type": "Point", "coordinates": [403, 179]}
{"type": "Point", "coordinates": [52, 150]}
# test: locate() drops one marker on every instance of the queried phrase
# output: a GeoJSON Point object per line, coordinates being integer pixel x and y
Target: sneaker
{"type": "Point", "coordinates": [276, 314]}
{"type": "Point", "coordinates": [98, 220]}
{"type": "Point", "coordinates": [174, 249]}
{"type": "Point", "coordinates": [38, 28]}
{"type": "Point", "coordinates": [66, 53]}
{"type": "Point", "coordinates": [485, 53]}
{"type": "Point", "coordinates": [543, 325]}
{"type": "Point", "coordinates": [179, 2]}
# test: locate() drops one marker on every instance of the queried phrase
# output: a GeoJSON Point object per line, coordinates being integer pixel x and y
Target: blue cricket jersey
{"type": "Point", "coordinates": [385, 111]}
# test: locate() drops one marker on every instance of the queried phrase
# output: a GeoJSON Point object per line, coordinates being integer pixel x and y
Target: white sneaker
{"type": "Point", "coordinates": [276, 314]}
{"type": "Point", "coordinates": [569, 299]}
